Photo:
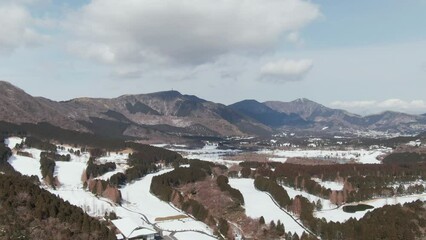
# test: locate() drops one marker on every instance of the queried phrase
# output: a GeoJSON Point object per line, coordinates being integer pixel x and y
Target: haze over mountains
{"type": "Point", "coordinates": [172, 113]}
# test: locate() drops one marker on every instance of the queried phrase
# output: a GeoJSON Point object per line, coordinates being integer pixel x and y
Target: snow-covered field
{"type": "Point", "coordinates": [26, 165]}
{"type": "Point", "coordinates": [12, 141]}
{"type": "Point", "coordinates": [69, 174]}
{"type": "Point", "coordinates": [138, 202]}
{"type": "Point", "coordinates": [192, 236]}
{"type": "Point", "coordinates": [329, 184]}
{"type": "Point", "coordinates": [183, 224]}
{"type": "Point", "coordinates": [115, 158]}
{"type": "Point", "coordinates": [139, 198]}
{"type": "Point", "coordinates": [338, 215]}
{"type": "Point", "coordinates": [209, 152]}
{"type": "Point", "coordinates": [259, 204]}
{"type": "Point", "coordinates": [92, 205]}
{"type": "Point", "coordinates": [145, 209]}
{"type": "Point", "coordinates": [360, 155]}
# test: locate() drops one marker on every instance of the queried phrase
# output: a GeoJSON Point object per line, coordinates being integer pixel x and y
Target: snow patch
{"type": "Point", "coordinates": [12, 141]}
{"type": "Point", "coordinates": [192, 235]}
{"type": "Point", "coordinates": [69, 174]}
{"type": "Point", "coordinates": [26, 165]}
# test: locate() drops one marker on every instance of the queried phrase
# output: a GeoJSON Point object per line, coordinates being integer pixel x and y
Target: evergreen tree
{"type": "Point", "coordinates": [262, 220]}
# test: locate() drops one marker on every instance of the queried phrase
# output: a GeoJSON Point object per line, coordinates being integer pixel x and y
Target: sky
{"type": "Point", "coordinates": [362, 56]}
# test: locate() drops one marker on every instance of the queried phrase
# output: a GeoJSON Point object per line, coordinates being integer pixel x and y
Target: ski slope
{"type": "Point", "coordinates": [259, 204]}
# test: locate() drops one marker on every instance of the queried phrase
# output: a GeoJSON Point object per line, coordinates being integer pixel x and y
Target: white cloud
{"type": "Point", "coordinates": [286, 70]}
{"type": "Point", "coordinates": [17, 27]}
{"type": "Point", "coordinates": [353, 104]}
{"type": "Point", "coordinates": [295, 38]}
{"type": "Point", "coordinates": [412, 106]}
{"type": "Point", "coordinates": [194, 32]}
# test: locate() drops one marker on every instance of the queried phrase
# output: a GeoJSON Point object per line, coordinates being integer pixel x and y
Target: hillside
{"type": "Point", "coordinates": [157, 115]}
{"type": "Point", "coordinates": [170, 115]}
{"type": "Point", "coordinates": [336, 119]}
{"type": "Point", "coordinates": [268, 116]}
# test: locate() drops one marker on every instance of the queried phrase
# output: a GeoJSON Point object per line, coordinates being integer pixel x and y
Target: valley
{"type": "Point", "coordinates": [138, 167]}
{"type": "Point", "coordinates": [325, 191]}
{"type": "Point", "coordinates": [212, 120]}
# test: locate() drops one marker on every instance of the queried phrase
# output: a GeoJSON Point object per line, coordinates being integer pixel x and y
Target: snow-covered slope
{"type": "Point", "coordinates": [259, 204]}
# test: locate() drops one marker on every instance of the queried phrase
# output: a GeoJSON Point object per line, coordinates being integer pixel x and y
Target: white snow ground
{"type": "Point", "coordinates": [12, 141]}
{"type": "Point", "coordinates": [209, 152]}
{"type": "Point", "coordinates": [337, 186]}
{"type": "Point", "coordinates": [192, 236]}
{"type": "Point", "coordinates": [139, 198]}
{"type": "Point", "coordinates": [69, 174]}
{"type": "Point", "coordinates": [26, 165]}
{"type": "Point", "coordinates": [338, 215]}
{"type": "Point", "coordinates": [359, 155]}
{"type": "Point", "coordinates": [259, 204]}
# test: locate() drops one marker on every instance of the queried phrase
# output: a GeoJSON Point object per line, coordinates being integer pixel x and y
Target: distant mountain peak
{"type": "Point", "coordinates": [7, 85]}
{"type": "Point", "coordinates": [302, 100]}
{"type": "Point", "coordinates": [8, 89]}
{"type": "Point", "coordinates": [167, 94]}
{"type": "Point", "coordinates": [305, 101]}
{"type": "Point", "coordinates": [248, 101]}
{"type": "Point", "coordinates": [171, 111]}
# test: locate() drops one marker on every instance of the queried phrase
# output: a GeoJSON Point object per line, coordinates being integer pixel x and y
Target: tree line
{"type": "Point", "coordinates": [223, 183]}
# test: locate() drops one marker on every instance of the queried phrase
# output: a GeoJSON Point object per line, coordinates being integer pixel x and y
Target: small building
{"type": "Point", "coordinates": [130, 230]}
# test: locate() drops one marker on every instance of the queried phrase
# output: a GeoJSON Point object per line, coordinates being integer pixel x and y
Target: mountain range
{"type": "Point", "coordinates": [170, 113]}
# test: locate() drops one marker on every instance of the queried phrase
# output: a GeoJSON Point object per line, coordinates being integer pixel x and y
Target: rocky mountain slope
{"type": "Point", "coordinates": [170, 113]}
{"type": "Point", "coordinates": [321, 116]}
{"type": "Point", "coordinates": [268, 116]}
{"type": "Point", "coordinates": [161, 114]}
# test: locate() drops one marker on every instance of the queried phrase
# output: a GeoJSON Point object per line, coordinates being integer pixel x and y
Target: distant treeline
{"type": "Point", "coordinates": [49, 132]}
{"type": "Point", "coordinates": [55, 156]}
{"type": "Point", "coordinates": [33, 142]}
{"type": "Point", "coordinates": [405, 158]}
